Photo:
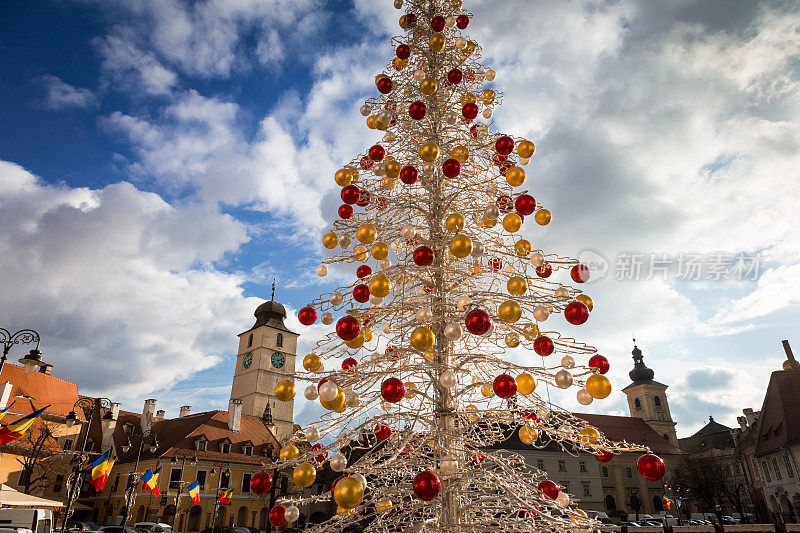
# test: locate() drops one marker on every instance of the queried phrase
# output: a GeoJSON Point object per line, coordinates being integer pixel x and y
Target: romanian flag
{"type": "Point", "coordinates": [194, 492]}
{"type": "Point", "coordinates": [667, 502]}
{"type": "Point", "coordinates": [4, 411]}
{"type": "Point", "coordinates": [150, 481]}
{"type": "Point", "coordinates": [225, 497]}
{"type": "Point", "coordinates": [16, 429]}
{"type": "Point", "coordinates": [101, 468]}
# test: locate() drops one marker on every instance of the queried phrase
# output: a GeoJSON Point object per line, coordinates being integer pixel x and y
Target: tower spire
{"type": "Point", "coordinates": [273, 290]}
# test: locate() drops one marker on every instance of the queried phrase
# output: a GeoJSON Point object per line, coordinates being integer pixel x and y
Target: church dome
{"type": "Point", "coordinates": [270, 309]}
{"type": "Point", "coordinates": [640, 371]}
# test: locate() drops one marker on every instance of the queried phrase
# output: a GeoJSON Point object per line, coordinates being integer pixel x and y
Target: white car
{"type": "Point", "coordinates": [154, 527]}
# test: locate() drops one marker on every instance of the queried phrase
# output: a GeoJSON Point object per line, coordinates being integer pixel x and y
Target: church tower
{"type": "Point", "coordinates": [266, 357]}
{"type": "Point", "coordinates": [647, 399]}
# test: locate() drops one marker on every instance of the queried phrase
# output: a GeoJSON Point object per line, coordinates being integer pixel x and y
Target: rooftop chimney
{"type": "Point", "coordinates": [107, 429]}
{"type": "Point", "coordinates": [234, 414]}
{"type": "Point", "coordinates": [749, 416]}
{"type": "Point", "coordinates": [5, 394]}
{"type": "Point", "coordinates": [186, 410]}
{"type": "Point", "coordinates": [742, 422]}
{"type": "Point", "coordinates": [160, 414]}
{"type": "Point", "coordinates": [115, 410]}
{"type": "Point", "coordinates": [790, 356]}
{"type": "Point", "coordinates": [148, 413]}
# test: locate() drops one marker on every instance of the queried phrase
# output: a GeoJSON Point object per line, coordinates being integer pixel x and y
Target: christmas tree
{"type": "Point", "coordinates": [424, 391]}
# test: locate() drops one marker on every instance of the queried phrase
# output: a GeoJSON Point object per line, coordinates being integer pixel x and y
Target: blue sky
{"type": "Point", "coordinates": [162, 161]}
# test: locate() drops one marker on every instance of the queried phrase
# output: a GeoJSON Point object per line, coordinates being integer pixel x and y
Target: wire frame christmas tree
{"type": "Point", "coordinates": [424, 398]}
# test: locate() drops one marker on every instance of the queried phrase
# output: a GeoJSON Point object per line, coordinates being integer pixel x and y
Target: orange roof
{"type": "Point", "coordinates": [631, 429]}
{"type": "Point", "coordinates": [39, 389]}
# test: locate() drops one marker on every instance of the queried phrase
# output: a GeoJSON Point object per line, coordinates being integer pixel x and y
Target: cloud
{"type": "Point", "coordinates": [707, 379]}
{"type": "Point", "coordinates": [61, 95]}
{"type": "Point", "coordinates": [776, 289]}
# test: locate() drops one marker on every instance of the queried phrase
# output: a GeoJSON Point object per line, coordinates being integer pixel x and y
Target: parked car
{"type": "Point", "coordinates": [154, 527]}
{"type": "Point", "coordinates": [629, 524]}
{"type": "Point", "coordinates": [253, 530]}
{"type": "Point", "coordinates": [38, 520]}
{"type": "Point", "coordinates": [72, 525]}
{"type": "Point", "coordinates": [117, 529]}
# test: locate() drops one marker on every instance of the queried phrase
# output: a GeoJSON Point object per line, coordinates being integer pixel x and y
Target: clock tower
{"type": "Point", "coordinates": [266, 357]}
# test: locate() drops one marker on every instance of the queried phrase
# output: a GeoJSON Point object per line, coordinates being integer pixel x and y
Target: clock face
{"type": "Point", "coordinates": [278, 360]}
{"type": "Point", "coordinates": [247, 361]}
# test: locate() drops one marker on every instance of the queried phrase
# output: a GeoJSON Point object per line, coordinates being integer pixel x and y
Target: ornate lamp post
{"type": "Point", "coordinates": [180, 483]}
{"type": "Point", "coordinates": [76, 479]}
{"type": "Point", "coordinates": [33, 360]}
{"type": "Point", "coordinates": [143, 436]}
{"type": "Point", "coordinates": [227, 473]}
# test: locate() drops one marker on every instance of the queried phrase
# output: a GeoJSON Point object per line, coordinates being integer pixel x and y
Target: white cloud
{"type": "Point", "coordinates": [62, 95]}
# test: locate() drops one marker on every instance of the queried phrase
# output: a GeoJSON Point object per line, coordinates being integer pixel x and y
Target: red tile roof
{"type": "Point", "coordinates": [630, 429]}
{"type": "Point", "coordinates": [38, 389]}
{"type": "Point", "coordinates": [779, 424]}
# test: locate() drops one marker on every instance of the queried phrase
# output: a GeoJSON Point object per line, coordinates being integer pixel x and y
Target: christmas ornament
{"type": "Point", "coordinates": [277, 515]}
{"type": "Point", "coordinates": [600, 363]}
{"type": "Point", "coordinates": [426, 485]}
{"type": "Point", "coordinates": [504, 386]}
{"type": "Point", "coordinates": [260, 483]}
{"type": "Point", "coordinates": [651, 467]}
{"type": "Point", "coordinates": [576, 313]}
{"type": "Point", "coordinates": [307, 315]}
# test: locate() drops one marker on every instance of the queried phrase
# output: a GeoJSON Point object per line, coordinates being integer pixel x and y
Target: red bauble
{"type": "Point", "coordinates": [549, 489]}
{"type": "Point", "coordinates": [576, 313]}
{"type": "Point", "coordinates": [347, 328]}
{"type": "Point", "coordinates": [384, 85]}
{"type": "Point", "coordinates": [504, 386]}
{"type": "Point", "coordinates": [376, 152]}
{"type": "Point", "coordinates": [381, 202]}
{"type": "Point", "coordinates": [600, 363]}
{"type": "Point", "coordinates": [382, 431]}
{"type": "Point", "coordinates": [277, 515]}
{"type": "Point", "coordinates": [543, 346]}
{"type": "Point", "coordinates": [403, 51]}
{"type": "Point", "coordinates": [603, 456]}
{"type": "Point", "coordinates": [469, 111]}
{"type": "Point", "coordinates": [427, 485]}
{"type": "Point", "coordinates": [499, 159]}
{"type": "Point", "coordinates": [350, 194]}
{"type": "Point", "coordinates": [544, 270]}
{"type": "Point", "coordinates": [651, 467]}
{"type": "Point", "coordinates": [525, 204]}
{"type": "Point", "coordinates": [531, 415]}
{"type": "Point", "coordinates": [478, 322]}
{"type": "Point", "coordinates": [319, 448]}
{"type": "Point", "coordinates": [579, 273]}
{"type": "Point", "coordinates": [349, 363]}
{"type": "Point", "coordinates": [363, 198]}
{"type": "Point", "coordinates": [462, 21]}
{"type": "Point", "coordinates": [345, 211]}
{"type": "Point", "coordinates": [455, 76]}
{"type": "Point", "coordinates": [438, 23]}
{"type": "Point", "coordinates": [417, 110]}
{"type": "Point", "coordinates": [361, 293]}
{"type": "Point", "coordinates": [423, 256]}
{"type": "Point", "coordinates": [260, 483]}
{"type": "Point", "coordinates": [504, 203]}
{"type": "Point", "coordinates": [504, 145]}
{"type": "Point", "coordinates": [407, 451]}
{"type": "Point", "coordinates": [307, 315]}
{"type": "Point", "coordinates": [411, 19]}
{"type": "Point", "coordinates": [451, 168]}
{"type": "Point", "coordinates": [335, 481]}
{"type": "Point", "coordinates": [366, 163]}
{"type": "Point", "coordinates": [495, 263]}
{"type": "Point", "coordinates": [392, 390]}
{"type": "Point", "coordinates": [477, 460]}
{"type": "Point", "coordinates": [408, 175]}
{"type": "Point", "coordinates": [505, 167]}
{"type": "Point", "coordinates": [363, 272]}
{"type": "Point", "coordinates": [473, 130]}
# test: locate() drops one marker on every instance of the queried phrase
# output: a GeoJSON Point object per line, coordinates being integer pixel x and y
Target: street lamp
{"type": "Point", "coordinates": [153, 447]}
{"type": "Point", "coordinates": [180, 483]}
{"type": "Point", "coordinates": [87, 406]}
{"type": "Point", "coordinates": [23, 336]}
{"type": "Point", "coordinates": [213, 472]}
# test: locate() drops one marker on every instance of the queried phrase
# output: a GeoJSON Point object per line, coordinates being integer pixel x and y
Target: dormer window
{"type": "Point", "coordinates": [279, 340]}
{"type": "Point", "coordinates": [128, 429]}
{"type": "Point", "coordinates": [226, 447]}
{"type": "Point", "coordinates": [247, 449]}
{"type": "Point", "coordinates": [201, 446]}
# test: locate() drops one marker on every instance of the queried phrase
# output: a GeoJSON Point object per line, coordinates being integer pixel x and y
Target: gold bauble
{"type": "Point", "coordinates": [380, 285]}
{"type": "Point", "coordinates": [343, 177]}
{"type": "Point", "coordinates": [411, 389]}
{"type": "Point", "coordinates": [581, 513]}
{"type": "Point", "coordinates": [488, 96]}
{"type": "Point", "coordinates": [304, 475]}
{"type": "Point", "coordinates": [510, 311]}
{"type": "Point", "coordinates": [468, 98]}
{"type": "Point", "coordinates": [429, 152]}
{"type": "Point", "coordinates": [476, 267]}
{"type": "Point", "coordinates": [367, 334]}
{"type": "Point", "coordinates": [525, 384]}
{"type": "Point", "coordinates": [371, 121]}
{"type": "Point", "coordinates": [422, 338]}
{"type": "Point", "coordinates": [456, 4]}
{"type": "Point", "coordinates": [341, 409]}
{"type": "Point", "coordinates": [461, 153]}
{"type": "Point", "coordinates": [402, 22]}
{"type": "Point", "coordinates": [528, 435]}
{"type": "Point", "coordinates": [525, 149]}
{"type": "Point", "coordinates": [330, 240]}
{"type": "Point", "coordinates": [399, 64]}
{"type": "Point", "coordinates": [354, 174]}
{"type": "Point", "coordinates": [589, 435]}
{"type": "Point", "coordinates": [336, 403]}
{"type": "Point", "coordinates": [312, 362]}
{"type": "Point", "coordinates": [515, 176]}
{"type": "Point", "coordinates": [348, 493]}
{"type": "Point", "coordinates": [787, 365]}
{"type": "Point", "coordinates": [392, 168]}
{"type": "Point", "coordinates": [436, 41]}
{"type": "Point", "coordinates": [517, 285]}
{"type": "Point", "coordinates": [360, 253]}
{"type": "Point", "coordinates": [461, 246]}
{"type": "Point", "coordinates": [342, 510]}
{"type": "Point", "coordinates": [523, 247]}
{"type": "Point", "coordinates": [470, 48]}
{"type": "Point", "coordinates": [472, 411]}
{"type": "Point", "coordinates": [487, 222]}
{"type": "Point", "coordinates": [289, 452]}
{"type": "Point", "coordinates": [598, 386]}
{"type": "Point", "coordinates": [427, 86]}
{"type": "Point", "coordinates": [356, 343]}
{"type": "Point", "coordinates": [381, 125]}
{"type": "Point", "coordinates": [530, 331]}
{"type": "Point", "coordinates": [454, 222]}
{"type": "Point", "coordinates": [585, 300]}
{"type": "Point", "coordinates": [366, 233]}
{"type": "Point", "coordinates": [383, 505]}
{"type": "Point", "coordinates": [380, 250]}
{"type": "Point", "coordinates": [285, 390]}
{"type": "Point", "coordinates": [542, 217]}
{"type": "Point", "coordinates": [512, 340]}
{"type": "Point", "coordinates": [388, 182]}
{"type": "Point", "coordinates": [487, 391]}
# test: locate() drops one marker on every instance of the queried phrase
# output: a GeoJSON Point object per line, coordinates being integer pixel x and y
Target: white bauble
{"type": "Point", "coordinates": [375, 300]}
{"type": "Point", "coordinates": [584, 398]}
{"type": "Point", "coordinates": [327, 318]}
{"type": "Point", "coordinates": [379, 169]}
{"type": "Point", "coordinates": [385, 263]}
{"type": "Point", "coordinates": [524, 160]}
{"type": "Point", "coordinates": [541, 313]}
{"type": "Point", "coordinates": [345, 241]}
{"type": "Point", "coordinates": [450, 21]}
{"type": "Point", "coordinates": [385, 116]}
{"type": "Point", "coordinates": [428, 168]}
{"type": "Point", "coordinates": [491, 190]}
{"type": "Point", "coordinates": [487, 113]}
{"type": "Point", "coordinates": [328, 391]}
{"type": "Point", "coordinates": [448, 379]}
{"type": "Point", "coordinates": [563, 379]}
{"type": "Point", "coordinates": [322, 271]}
{"type": "Point", "coordinates": [311, 392]}
{"type": "Point", "coordinates": [408, 231]}
{"type": "Point", "coordinates": [389, 137]}
{"type": "Point", "coordinates": [463, 302]}
{"type": "Point", "coordinates": [312, 434]}
{"type": "Point", "coordinates": [352, 399]}
{"type": "Point", "coordinates": [561, 293]}
{"type": "Point", "coordinates": [490, 74]}
{"type": "Point", "coordinates": [365, 110]}
{"type": "Point", "coordinates": [291, 514]}
{"type": "Point", "coordinates": [336, 298]}
{"type": "Point", "coordinates": [448, 465]}
{"type": "Point", "coordinates": [477, 249]}
{"type": "Point", "coordinates": [460, 44]}
{"type": "Point", "coordinates": [386, 329]}
{"type": "Point", "coordinates": [537, 259]}
{"type": "Point", "coordinates": [567, 361]}
{"type": "Point", "coordinates": [386, 406]}
{"type": "Point", "coordinates": [338, 462]}
{"type": "Point", "coordinates": [419, 75]}
{"type": "Point", "coordinates": [424, 315]}
{"type": "Point", "coordinates": [361, 478]}
{"type": "Point", "coordinates": [562, 500]}
{"type": "Point", "coordinates": [398, 4]}
{"type": "Point", "coordinates": [451, 117]}
{"type": "Point", "coordinates": [452, 332]}
{"type": "Point", "coordinates": [491, 211]}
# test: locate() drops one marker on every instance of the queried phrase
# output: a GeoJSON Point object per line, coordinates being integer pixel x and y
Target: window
{"type": "Point", "coordinates": [201, 445]}
{"type": "Point", "coordinates": [628, 472]}
{"type": "Point", "coordinates": [582, 466]}
{"type": "Point", "coordinates": [562, 465]}
{"type": "Point", "coordinates": [248, 450]}
{"type": "Point", "coordinates": [787, 462]}
{"type": "Point", "coordinates": [175, 477]}
{"type": "Point", "coordinates": [637, 403]}
{"type": "Point", "coordinates": [225, 480]}
{"type": "Point", "coordinates": [58, 483]}
{"type": "Point", "coordinates": [661, 416]}
{"type": "Point", "coordinates": [246, 483]}
{"type": "Point", "coordinates": [279, 340]}
{"type": "Point", "coordinates": [226, 447]}
{"type": "Point", "coordinates": [128, 429]}
{"type": "Point", "coordinates": [605, 471]}
{"type": "Point", "coordinates": [89, 445]}
{"type": "Point", "coordinates": [777, 469]}
{"type": "Point", "coordinates": [657, 401]}
{"type": "Point", "coordinates": [766, 471]}
{"type": "Point", "coordinates": [666, 437]}
{"type": "Point", "coordinates": [250, 341]}
{"type": "Point", "coordinates": [587, 488]}
{"type": "Point", "coordinates": [68, 444]}
{"type": "Point", "coordinates": [201, 479]}
{"type": "Point", "coordinates": [116, 484]}
{"type": "Point", "coordinates": [540, 464]}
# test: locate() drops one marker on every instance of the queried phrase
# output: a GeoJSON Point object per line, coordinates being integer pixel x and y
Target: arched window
{"type": "Point", "coordinates": [657, 401]}
{"type": "Point", "coordinates": [637, 403]}
{"type": "Point", "coordinates": [658, 504]}
{"type": "Point", "coordinates": [611, 503]}
{"type": "Point", "coordinates": [250, 341]}
{"type": "Point", "coordinates": [279, 340]}
{"type": "Point", "coordinates": [666, 437]}
{"type": "Point", "coordinates": [195, 514]}
{"type": "Point", "coordinates": [241, 517]}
